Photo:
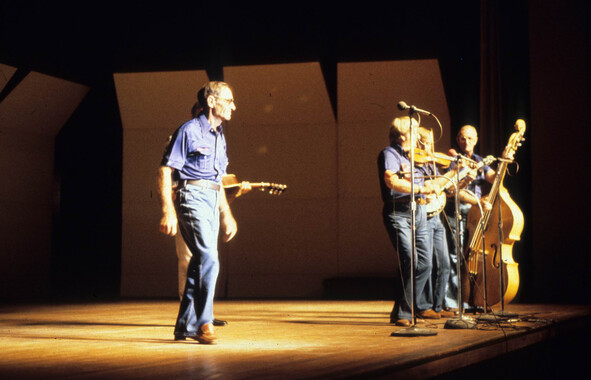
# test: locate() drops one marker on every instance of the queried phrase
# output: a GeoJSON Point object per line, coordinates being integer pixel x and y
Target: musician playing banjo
{"type": "Point", "coordinates": [437, 283]}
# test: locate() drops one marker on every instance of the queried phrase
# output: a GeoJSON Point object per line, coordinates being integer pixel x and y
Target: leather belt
{"type": "Point", "coordinates": [201, 182]}
{"type": "Point", "coordinates": [419, 201]}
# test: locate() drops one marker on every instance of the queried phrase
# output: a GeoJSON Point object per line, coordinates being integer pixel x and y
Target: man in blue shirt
{"type": "Point", "coordinates": [394, 174]}
{"type": "Point", "coordinates": [467, 138]}
{"type": "Point", "coordinates": [197, 152]}
{"type": "Point", "coordinates": [437, 284]}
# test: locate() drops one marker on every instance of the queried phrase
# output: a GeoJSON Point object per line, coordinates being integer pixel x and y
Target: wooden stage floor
{"type": "Point", "coordinates": [291, 339]}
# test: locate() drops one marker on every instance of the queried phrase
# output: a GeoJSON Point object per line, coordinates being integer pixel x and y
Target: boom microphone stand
{"type": "Point", "coordinates": [462, 321]}
{"type": "Point", "coordinates": [413, 330]}
{"type": "Point", "coordinates": [485, 316]}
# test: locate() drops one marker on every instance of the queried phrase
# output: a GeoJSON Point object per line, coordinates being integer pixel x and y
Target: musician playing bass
{"type": "Point", "coordinates": [478, 186]}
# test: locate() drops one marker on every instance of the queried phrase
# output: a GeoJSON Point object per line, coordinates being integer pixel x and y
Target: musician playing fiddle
{"type": "Point", "coordinates": [437, 283]}
{"type": "Point", "coordinates": [394, 168]}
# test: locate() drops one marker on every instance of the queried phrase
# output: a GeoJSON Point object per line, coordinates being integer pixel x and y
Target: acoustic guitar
{"type": "Point", "coordinates": [233, 187]}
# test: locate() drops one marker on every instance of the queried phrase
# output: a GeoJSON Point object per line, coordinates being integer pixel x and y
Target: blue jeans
{"type": "Point", "coordinates": [437, 284]}
{"type": "Point", "coordinates": [398, 224]}
{"type": "Point", "coordinates": [451, 295]}
{"type": "Point", "coordinates": [198, 214]}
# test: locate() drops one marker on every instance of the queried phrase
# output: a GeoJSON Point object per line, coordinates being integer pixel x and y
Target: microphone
{"type": "Point", "coordinates": [403, 106]}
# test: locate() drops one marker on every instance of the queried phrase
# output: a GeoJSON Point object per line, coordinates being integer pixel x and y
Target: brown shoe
{"type": "Point", "coordinates": [447, 314]}
{"type": "Point", "coordinates": [205, 335]}
{"type": "Point", "coordinates": [402, 322]}
{"type": "Point", "coordinates": [429, 314]}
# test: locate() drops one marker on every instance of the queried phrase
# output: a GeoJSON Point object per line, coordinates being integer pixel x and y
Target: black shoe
{"type": "Point", "coordinates": [184, 337]}
{"type": "Point", "coordinates": [219, 322]}
{"type": "Point", "coordinates": [474, 310]}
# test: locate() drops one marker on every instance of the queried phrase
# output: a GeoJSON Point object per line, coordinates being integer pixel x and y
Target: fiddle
{"type": "Point", "coordinates": [441, 159]}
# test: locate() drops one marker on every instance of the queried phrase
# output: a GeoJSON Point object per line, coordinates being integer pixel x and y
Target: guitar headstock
{"type": "Point", "coordinates": [478, 164]}
{"type": "Point", "coordinates": [273, 188]}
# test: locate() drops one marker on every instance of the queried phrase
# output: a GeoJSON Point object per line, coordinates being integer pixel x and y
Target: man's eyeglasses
{"type": "Point", "coordinates": [229, 101]}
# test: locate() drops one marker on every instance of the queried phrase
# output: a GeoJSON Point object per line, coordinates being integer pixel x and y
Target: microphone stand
{"type": "Point", "coordinates": [462, 321]}
{"type": "Point", "coordinates": [413, 330]}
{"type": "Point", "coordinates": [485, 316]}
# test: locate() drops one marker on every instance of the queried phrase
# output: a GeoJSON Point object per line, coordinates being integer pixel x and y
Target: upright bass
{"type": "Point", "coordinates": [486, 231]}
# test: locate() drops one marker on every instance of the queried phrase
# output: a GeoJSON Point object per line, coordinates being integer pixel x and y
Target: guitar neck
{"type": "Point", "coordinates": [260, 184]}
{"type": "Point", "coordinates": [252, 184]}
{"type": "Point", "coordinates": [453, 177]}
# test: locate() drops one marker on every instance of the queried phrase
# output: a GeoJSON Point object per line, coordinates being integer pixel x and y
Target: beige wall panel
{"type": "Point", "coordinates": [284, 236]}
{"type": "Point", "coordinates": [359, 147]}
{"type": "Point", "coordinates": [143, 285]}
{"type": "Point", "coordinates": [145, 251]}
{"type": "Point", "coordinates": [284, 131]}
{"type": "Point", "coordinates": [6, 72]}
{"type": "Point", "coordinates": [157, 100]}
{"type": "Point", "coordinates": [302, 156]}
{"type": "Point", "coordinates": [278, 285]}
{"type": "Point", "coordinates": [280, 94]}
{"type": "Point", "coordinates": [364, 246]}
{"type": "Point", "coordinates": [370, 92]}
{"type": "Point", "coordinates": [40, 104]}
{"type": "Point", "coordinates": [147, 255]}
{"type": "Point", "coordinates": [277, 238]}
{"type": "Point", "coordinates": [142, 153]}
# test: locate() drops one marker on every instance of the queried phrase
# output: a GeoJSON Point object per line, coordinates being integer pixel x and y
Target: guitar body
{"type": "Point", "coordinates": [231, 187]}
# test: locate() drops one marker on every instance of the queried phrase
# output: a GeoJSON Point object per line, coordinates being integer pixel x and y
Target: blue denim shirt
{"type": "Point", "coordinates": [480, 186]}
{"type": "Point", "coordinates": [395, 159]}
{"type": "Point", "coordinates": [197, 151]}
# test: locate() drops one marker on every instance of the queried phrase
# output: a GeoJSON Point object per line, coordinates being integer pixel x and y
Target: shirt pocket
{"type": "Point", "coordinates": [201, 156]}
